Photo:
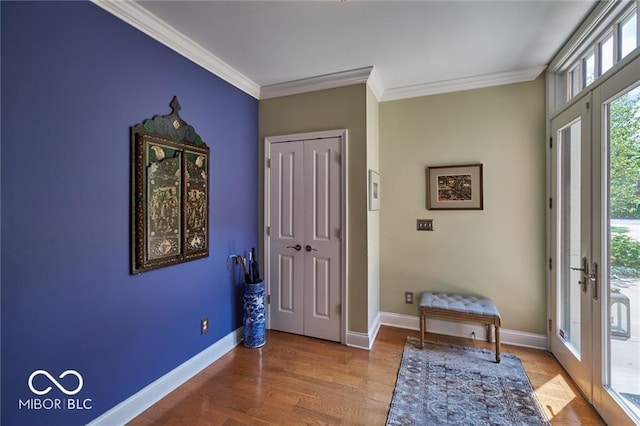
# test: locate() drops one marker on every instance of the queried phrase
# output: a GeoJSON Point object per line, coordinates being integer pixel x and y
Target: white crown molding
{"type": "Point", "coordinates": [312, 84]}
{"type": "Point", "coordinates": [460, 84]}
{"type": "Point", "coordinates": [140, 18]}
{"type": "Point", "coordinates": [375, 84]}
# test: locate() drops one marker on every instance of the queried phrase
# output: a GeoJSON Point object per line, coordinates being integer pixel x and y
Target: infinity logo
{"type": "Point", "coordinates": [55, 382]}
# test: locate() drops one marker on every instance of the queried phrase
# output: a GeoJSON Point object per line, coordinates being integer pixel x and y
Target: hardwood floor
{"type": "Point", "coordinates": [295, 380]}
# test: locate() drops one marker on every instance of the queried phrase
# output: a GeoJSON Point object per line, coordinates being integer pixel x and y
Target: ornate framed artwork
{"type": "Point", "coordinates": [170, 192]}
{"type": "Point", "coordinates": [455, 187]}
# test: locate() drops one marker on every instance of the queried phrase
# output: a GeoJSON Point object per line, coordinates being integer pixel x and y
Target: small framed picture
{"type": "Point", "coordinates": [455, 187]}
{"type": "Point", "coordinates": [374, 190]}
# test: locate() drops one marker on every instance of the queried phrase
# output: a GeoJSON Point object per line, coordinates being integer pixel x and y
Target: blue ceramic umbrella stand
{"type": "Point", "coordinates": [253, 315]}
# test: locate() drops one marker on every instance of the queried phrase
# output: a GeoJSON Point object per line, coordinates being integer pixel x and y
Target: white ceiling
{"type": "Point", "coordinates": [411, 45]}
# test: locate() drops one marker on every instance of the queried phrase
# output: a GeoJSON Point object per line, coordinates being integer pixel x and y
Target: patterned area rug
{"type": "Point", "coordinates": [453, 385]}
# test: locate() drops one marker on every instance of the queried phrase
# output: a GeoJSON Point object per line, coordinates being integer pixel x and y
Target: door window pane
{"type": "Point", "coordinates": [575, 84]}
{"type": "Point", "coordinates": [570, 243]}
{"type": "Point", "coordinates": [606, 54]}
{"type": "Point", "coordinates": [624, 248]}
{"type": "Point", "coordinates": [589, 69]}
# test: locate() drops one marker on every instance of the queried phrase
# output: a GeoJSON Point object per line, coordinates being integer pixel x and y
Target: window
{"type": "Point", "coordinates": [628, 35]}
{"type": "Point", "coordinates": [574, 81]}
{"type": "Point", "coordinates": [607, 58]}
{"type": "Point", "coordinates": [590, 69]}
{"type": "Point", "coordinates": [619, 37]}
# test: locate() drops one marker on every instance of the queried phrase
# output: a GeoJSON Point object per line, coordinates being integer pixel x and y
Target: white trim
{"type": "Point", "coordinates": [525, 339]}
{"type": "Point", "coordinates": [409, 322]}
{"type": "Point", "coordinates": [463, 329]}
{"type": "Point", "coordinates": [306, 136]}
{"type": "Point", "coordinates": [343, 134]}
{"type": "Point", "coordinates": [130, 408]}
{"type": "Point", "coordinates": [312, 84]}
{"type": "Point", "coordinates": [370, 76]}
{"type": "Point", "coordinates": [373, 330]}
{"type": "Point", "coordinates": [460, 84]}
{"type": "Point", "coordinates": [138, 17]}
{"type": "Point", "coordinates": [362, 340]}
{"type": "Point", "coordinates": [358, 340]}
{"type": "Point", "coordinates": [375, 84]}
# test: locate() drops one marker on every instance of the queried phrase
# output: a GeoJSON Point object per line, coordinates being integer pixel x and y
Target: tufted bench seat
{"type": "Point", "coordinates": [461, 308]}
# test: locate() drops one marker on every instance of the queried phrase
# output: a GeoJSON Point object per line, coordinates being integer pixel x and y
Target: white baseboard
{"type": "Point", "coordinates": [358, 340]}
{"type": "Point", "coordinates": [463, 329]}
{"type": "Point", "coordinates": [130, 408]}
{"type": "Point", "coordinates": [362, 340]}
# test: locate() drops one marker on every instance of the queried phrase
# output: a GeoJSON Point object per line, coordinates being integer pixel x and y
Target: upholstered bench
{"type": "Point", "coordinates": [460, 308]}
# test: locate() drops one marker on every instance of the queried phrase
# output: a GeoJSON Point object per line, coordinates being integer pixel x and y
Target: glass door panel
{"type": "Point", "coordinates": [570, 320]}
{"type": "Point", "coordinates": [623, 331]}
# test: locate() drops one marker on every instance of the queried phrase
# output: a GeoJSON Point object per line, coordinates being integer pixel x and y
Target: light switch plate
{"type": "Point", "coordinates": [425, 224]}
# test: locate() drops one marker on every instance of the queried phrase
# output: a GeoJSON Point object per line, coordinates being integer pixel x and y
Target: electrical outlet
{"type": "Point", "coordinates": [425, 224]}
{"type": "Point", "coordinates": [204, 325]}
{"type": "Point", "coordinates": [408, 297]}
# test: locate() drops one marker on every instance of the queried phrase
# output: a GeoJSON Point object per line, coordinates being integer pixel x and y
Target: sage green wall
{"type": "Point", "coordinates": [340, 108]}
{"type": "Point", "coordinates": [498, 252]}
{"type": "Point", "coordinates": [373, 217]}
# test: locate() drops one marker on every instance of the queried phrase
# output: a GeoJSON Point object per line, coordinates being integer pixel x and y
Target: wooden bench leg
{"type": "Point", "coordinates": [423, 326]}
{"type": "Point", "coordinates": [497, 343]}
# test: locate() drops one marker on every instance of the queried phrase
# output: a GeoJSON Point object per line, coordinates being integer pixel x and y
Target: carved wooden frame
{"type": "Point", "coordinates": [170, 193]}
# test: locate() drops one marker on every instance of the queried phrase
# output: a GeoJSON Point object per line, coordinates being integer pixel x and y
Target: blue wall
{"type": "Point", "coordinates": [74, 79]}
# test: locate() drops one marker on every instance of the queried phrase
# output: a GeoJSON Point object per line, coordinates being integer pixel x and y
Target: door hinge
{"type": "Point", "coordinates": [588, 105]}
{"type": "Point", "coordinates": [550, 202]}
{"type": "Point", "coordinates": [339, 233]}
{"type": "Point", "coordinates": [268, 299]}
{"type": "Point", "coordinates": [550, 141]}
{"type": "Point", "coordinates": [268, 163]}
{"type": "Point", "coordinates": [550, 264]}
{"type": "Point", "coordinates": [268, 231]}
{"type": "Point", "coordinates": [550, 325]}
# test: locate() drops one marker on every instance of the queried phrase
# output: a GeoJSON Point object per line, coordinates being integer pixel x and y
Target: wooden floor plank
{"type": "Point", "coordinates": [296, 380]}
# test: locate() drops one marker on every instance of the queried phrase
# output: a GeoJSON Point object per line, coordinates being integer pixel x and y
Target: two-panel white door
{"type": "Point", "coordinates": [304, 247]}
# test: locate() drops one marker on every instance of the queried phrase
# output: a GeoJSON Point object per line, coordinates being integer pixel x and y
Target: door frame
{"type": "Point", "coordinates": [342, 134]}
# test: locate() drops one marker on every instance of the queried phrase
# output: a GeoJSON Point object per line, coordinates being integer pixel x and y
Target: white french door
{"type": "Point", "coordinates": [571, 308]}
{"type": "Point", "coordinates": [616, 243]}
{"type": "Point", "coordinates": [304, 241]}
{"type": "Point", "coordinates": [595, 244]}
